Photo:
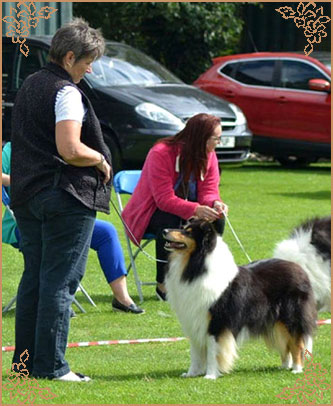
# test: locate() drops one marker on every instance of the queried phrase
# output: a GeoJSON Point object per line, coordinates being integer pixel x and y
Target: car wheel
{"type": "Point", "coordinates": [294, 161]}
{"type": "Point", "coordinates": [115, 153]}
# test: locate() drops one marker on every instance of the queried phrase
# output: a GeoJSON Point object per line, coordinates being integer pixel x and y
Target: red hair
{"type": "Point", "coordinates": [193, 144]}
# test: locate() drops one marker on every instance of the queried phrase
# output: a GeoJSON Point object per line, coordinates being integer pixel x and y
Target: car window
{"type": "Point", "coordinates": [259, 73]}
{"type": "Point", "coordinates": [122, 65]}
{"type": "Point", "coordinates": [8, 53]}
{"type": "Point", "coordinates": [228, 69]}
{"type": "Point", "coordinates": [296, 74]}
{"type": "Point", "coordinates": [27, 65]}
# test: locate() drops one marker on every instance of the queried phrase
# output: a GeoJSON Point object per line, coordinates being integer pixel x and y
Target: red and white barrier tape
{"type": "Point", "coordinates": [113, 342]}
{"type": "Point", "coordinates": [321, 322]}
{"type": "Point", "coordinates": [138, 341]}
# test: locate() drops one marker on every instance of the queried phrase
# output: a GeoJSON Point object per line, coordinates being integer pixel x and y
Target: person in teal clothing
{"type": "Point", "coordinates": [104, 241]}
{"type": "Point", "coordinates": [9, 229]}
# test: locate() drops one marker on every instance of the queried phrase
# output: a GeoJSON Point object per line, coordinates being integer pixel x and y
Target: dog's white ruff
{"type": "Point", "coordinates": [191, 302]}
{"type": "Point", "coordinates": [299, 249]}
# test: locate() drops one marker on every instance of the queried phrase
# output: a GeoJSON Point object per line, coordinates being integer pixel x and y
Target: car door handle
{"type": "Point", "coordinates": [282, 99]}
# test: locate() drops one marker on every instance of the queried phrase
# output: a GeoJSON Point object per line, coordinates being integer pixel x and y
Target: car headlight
{"type": "Point", "coordinates": [158, 114]}
{"type": "Point", "coordinates": [240, 117]}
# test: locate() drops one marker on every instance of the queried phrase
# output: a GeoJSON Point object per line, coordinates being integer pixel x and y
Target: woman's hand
{"type": "Point", "coordinates": [105, 168]}
{"type": "Point", "coordinates": [221, 207]}
{"type": "Point", "coordinates": [74, 152]}
{"type": "Point", "coordinates": [206, 213]}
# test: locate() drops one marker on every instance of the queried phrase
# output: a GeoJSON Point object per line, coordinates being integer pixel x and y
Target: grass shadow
{"type": "Point", "coordinates": [141, 376]}
{"type": "Point", "coordinates": [318, 195]}
{"type": "Point", "coordinates": [253, 167]}
{"type": "Point", "coordinates": [10, 314]}
{"type": "Point", "coordinates": [259, 370]}
{"type": "Point", "coordinates": [176, 373]}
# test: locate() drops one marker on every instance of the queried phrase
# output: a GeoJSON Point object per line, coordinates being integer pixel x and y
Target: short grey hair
{"type": "Point", "coordinates": [77, 36]}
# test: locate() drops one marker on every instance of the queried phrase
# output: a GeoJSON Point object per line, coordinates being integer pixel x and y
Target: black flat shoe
{"type": "Point", "coordinates": [119, 307]}
{"type": "Point", "coordinates": [161, 295]}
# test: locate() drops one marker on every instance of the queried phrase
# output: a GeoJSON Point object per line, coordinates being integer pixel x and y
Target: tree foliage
{"type": "Point", "coordinates": [183, 36]}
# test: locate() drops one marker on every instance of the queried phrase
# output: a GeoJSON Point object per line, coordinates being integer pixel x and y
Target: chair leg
{"type": "Point", "coordinates": [86, 294]}
{"type": "Point", "coordinates": [10, 304]}
{"type": "Point", "coordinates": [135, 273]}
{"type": "Point", "coordinates": [75, 301]}
{"type": "Point", "coordinates": [137, 282]}
{"type": "Point", "coordinates": [13, 300]}
{"type": "Point", "coordinates": [132, 265]}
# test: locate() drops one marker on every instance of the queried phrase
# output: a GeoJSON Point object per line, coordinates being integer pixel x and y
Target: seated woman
{"type": "Point", "coordinates": [104, 241]}
{"type": "Point", "coordinates": [180, 179]}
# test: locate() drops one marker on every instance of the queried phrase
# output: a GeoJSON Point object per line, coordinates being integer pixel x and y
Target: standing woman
{"type": "Point", "coordinates": [180, 179]}
{"type": "Point", "coordinates": [61, 175]}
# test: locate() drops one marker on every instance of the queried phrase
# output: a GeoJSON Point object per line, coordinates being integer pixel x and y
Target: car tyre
{"type": "Point", "coordinates": [294, 161]}
{"type": "Point", "coordinates": [115, 153]}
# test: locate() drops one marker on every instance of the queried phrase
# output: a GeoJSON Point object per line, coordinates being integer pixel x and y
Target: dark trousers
{"type": "Point", "coordinates": [55, 232]}
{"type": "Point", "coordinates": [158, 222]}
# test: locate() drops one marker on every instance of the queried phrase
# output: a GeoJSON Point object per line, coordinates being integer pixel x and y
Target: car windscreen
{"type": "Point", "coordinates": [122, 65]}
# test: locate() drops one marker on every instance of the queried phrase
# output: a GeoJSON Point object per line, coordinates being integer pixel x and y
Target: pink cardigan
{"type": "Point", "coordinates": [155, 190]}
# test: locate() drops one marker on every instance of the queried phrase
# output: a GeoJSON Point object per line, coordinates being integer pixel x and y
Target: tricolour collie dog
{"type": "Point", "coordinates": [310, 246]}
{"type": "Point", "coordinates": [219, 304]}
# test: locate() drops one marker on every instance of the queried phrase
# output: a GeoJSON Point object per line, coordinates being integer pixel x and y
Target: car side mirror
{"type": "Point", "coordinates": [320, 85]}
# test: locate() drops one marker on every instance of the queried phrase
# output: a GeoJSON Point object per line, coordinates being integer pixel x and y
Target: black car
{"type": "Point", "coordinates": [136, 99]}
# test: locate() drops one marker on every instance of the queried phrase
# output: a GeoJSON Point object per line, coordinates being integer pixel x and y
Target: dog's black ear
{"type": "Point", "coordinates": [209, 236]}
{"type": "Point", "coordinates": [192, 219]}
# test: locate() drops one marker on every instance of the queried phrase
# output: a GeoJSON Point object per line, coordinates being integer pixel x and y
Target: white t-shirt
{"type": "Point", "coordinates": [69, 105]}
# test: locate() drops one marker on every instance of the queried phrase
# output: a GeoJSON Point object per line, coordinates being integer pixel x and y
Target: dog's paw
{"type": "Point", "coordinates": [211, 376]}
{"type": "Point", "coordinates": [191, 374]}
{"type": "Point", "coordinates": [297, 369]}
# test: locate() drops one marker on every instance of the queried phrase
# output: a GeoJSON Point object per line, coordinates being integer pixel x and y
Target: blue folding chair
{"type": "Point", "coordinates": [125, 182]}
{"type": "Point", "coordinates": [6, 203]}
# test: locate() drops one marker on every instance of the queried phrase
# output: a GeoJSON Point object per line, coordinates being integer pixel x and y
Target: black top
{"type": "Point", "coordinates": [35, 162]}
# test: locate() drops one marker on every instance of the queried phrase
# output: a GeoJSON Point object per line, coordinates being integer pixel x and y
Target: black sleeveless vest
{"type": "Point", "coordinates": [35, 162]}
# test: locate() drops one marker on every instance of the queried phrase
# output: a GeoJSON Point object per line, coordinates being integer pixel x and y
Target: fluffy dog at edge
{"type": "Point", "coordinates": [309, 245]}
{"type": "Point", "coordinates": [219, 304]}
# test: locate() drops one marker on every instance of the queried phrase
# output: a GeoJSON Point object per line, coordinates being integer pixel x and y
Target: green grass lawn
{"type": "Point", "coordinates": [265, 203]}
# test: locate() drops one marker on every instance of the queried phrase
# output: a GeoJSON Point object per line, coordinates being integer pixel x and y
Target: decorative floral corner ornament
{"type": "Point", "coordinates": [310, 388]}
{"type": "Point", "coordinates": [311, 19]}
{"type": "Point", "coordinates": [22, 388]}
{"type": "Point", "coordinates": [22, 18]}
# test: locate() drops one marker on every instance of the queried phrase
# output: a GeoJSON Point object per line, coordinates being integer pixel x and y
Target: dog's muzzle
{"type": "Point", "coordinates": [171, 242]}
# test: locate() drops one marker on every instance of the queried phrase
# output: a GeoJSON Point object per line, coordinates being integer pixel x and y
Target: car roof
{"type": "Point", "coordinates": [254, 55]}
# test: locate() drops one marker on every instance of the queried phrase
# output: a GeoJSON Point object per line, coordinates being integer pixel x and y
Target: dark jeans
{"type": "Point", "coordinates": [55, 232]}
{"type": "Point", "coordinates": [158, 222]}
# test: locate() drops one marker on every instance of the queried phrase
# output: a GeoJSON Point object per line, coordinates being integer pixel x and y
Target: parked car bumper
{"type": "Point", "coordinates": [239, 153]}
{"type": "Point", "coordinates": [138, 141]}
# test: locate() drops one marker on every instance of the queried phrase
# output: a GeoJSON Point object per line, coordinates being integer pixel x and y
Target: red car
{"type": "Point", "coordinates": [286, 98]}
